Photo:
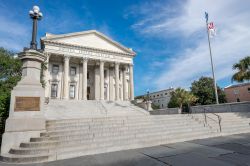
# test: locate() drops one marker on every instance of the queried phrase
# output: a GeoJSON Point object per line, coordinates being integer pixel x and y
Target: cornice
{"type": "Point", "coordinates": [85, 47]}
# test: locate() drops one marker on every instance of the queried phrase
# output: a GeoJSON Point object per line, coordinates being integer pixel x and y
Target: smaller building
{"type": "Point", "coordinates": [238, 93]}
{"type": "Point", "coordinates": [159, 98]}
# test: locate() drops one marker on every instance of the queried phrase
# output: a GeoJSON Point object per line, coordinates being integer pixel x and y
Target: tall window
{"type": "Point", "coordinates": [54, 90]}
{"type": "Point", "coordinates": [72, 70]}
{"type": "Point", "coordinates": [105, 73]}
{"type": "Point", "coordinates": [72, 91]}
{"type": "Point", "coordinates": [55, 69]}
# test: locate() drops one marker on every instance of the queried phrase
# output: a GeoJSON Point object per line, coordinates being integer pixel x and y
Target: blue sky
{"type": "Point", "coordinates": [169, 37]}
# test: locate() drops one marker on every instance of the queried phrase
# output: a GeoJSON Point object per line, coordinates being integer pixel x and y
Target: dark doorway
{"type": "Point", "coordinates": [88, 93]}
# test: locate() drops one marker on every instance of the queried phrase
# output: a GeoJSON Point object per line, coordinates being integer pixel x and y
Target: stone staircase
{"type": "Point", "coordinates": [77, 137]}
{"type": "Point", "coordinates": [116, 126]}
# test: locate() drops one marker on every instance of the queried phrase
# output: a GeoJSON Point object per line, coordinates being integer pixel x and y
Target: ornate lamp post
{"type": "Point", "coordinates": [147, 102]}
{"type": "Point", "coordinates": [147, 94]}
{"type": "Point", "coordinates": [35, 15]}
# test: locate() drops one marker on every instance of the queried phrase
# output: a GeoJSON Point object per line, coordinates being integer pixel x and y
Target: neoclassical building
{"type": "Point", "coordinates": [87, 66]}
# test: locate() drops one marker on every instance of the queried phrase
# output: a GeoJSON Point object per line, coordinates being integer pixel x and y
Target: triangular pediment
{"type": "Point", "coordinates": [91, 39]}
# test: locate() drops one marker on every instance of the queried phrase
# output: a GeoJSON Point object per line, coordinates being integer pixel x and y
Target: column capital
{"type": "Point", "coordinates": [84, 59]}
{"type": "Point", "coordinates": [66, 57]}
{"type": "Point", "coordinates": [111, 65]}
{"type": "Point", "coordinates": [102, 61]}
{"type": "Point", "coordinates": [124, 66]}
{"type": "Point", "coordinates": [117, 64]}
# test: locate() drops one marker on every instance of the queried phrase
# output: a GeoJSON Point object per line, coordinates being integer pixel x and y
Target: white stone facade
{"type": "Point", "coordinates": [160, 98]}
{"type": "Point", "coordinates": [87, 66]}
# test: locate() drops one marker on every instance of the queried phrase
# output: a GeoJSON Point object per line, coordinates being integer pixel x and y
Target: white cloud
{"type": "Point", "coordinates": [188, 24]}
{"type": "Point", "coordinates": [13, 32]}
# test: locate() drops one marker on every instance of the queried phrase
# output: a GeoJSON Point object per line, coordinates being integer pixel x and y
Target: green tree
{"type": "Point", "coordinates": [179, 97]}
{"type": "Point", "coordinates": [204, 90]}
{"type": "Point", "coordinates": [243, 70]}
{"type": "Point", "coordinates": [10, 74]}
{"type": "Point", "coordinates": [155, 107]}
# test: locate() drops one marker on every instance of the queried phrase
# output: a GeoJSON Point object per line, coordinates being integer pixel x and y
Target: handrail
{"type": "Point", "coordinates": [218, 116]}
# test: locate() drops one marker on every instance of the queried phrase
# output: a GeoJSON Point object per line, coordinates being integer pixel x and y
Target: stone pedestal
{"type": "Point", "coordinates": [148, 105]}
{"type": "Point", "coordinates": [26, 114]}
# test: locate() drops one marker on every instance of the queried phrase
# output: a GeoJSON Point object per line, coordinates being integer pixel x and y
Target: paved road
{"type": "Point", "coordinates": [219, 151]}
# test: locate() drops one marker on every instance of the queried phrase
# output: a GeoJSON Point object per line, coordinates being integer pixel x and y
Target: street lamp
{"type": "Point", "coordinates": [35, 15]}
{"type": "Point", "coordinates": [148, 94]}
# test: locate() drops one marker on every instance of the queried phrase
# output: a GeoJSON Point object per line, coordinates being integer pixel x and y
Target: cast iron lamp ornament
{"type": "Point", "coordinates": [35, 15]}
{"type": "Point", "coordinates": [147, 95]}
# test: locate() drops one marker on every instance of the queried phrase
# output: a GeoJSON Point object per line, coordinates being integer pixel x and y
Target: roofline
{"type": "Point", "coordinates": [157, 91]}
{"type": "Point", "coordinates": [54, 36]}
{"type": "Point", "coordinates": [237, 85]}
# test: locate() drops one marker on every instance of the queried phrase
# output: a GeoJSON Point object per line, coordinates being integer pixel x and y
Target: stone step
{"type": "Point", "coordinates": [230, 125]}
{"type": "Point", "coordinates": [92, 135]}
{"type": "Point", "coordinates": [141, 119]}
{"type": "Point", "coordinates": [115, 141]}
{"type": "Point", "coordinates": [228, 129]}
{"type": "Point", "coordinates": [114, 126]}
{"type": "Point", "coordinates": [121, 123]}
{"type": "Point", "coordinates": [110, 137]}
{"type": "Point", "coordinates": [149, 143]}
{"type": "Point", "coordinates": [222, 117]}
{"type": "Point", "coordinates": [100, 120]}
{"type": "Point", "coordinates": [11, 158]}
{"type": "Point", "coordinates": [136, 126]}
{"type": "Point", "coordinates": [121, 129]}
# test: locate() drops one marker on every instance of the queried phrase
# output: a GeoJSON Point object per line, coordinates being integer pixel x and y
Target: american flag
{"type": "Point", "coordinates": [211, 29]}
{"type": "Point", "coordinates": [210, 25]}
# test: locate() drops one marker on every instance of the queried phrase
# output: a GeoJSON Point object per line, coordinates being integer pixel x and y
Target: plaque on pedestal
{"type": "Point", "coordinates": [27, 104]}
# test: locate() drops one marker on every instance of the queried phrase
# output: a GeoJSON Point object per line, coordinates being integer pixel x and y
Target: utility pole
{"type": "Point", "coordinates": [211, 60]}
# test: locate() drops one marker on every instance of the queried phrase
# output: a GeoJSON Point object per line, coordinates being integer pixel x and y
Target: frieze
{"type": "Point", "coordinates": [79, 52]}
{"type": "Point", "coordinates": [84, 52]}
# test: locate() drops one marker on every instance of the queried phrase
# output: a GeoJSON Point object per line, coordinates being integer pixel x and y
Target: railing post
{"type": "Point", "coordinates": [205, 116]}
{"type": "Point", "coordinates": [220, 123]}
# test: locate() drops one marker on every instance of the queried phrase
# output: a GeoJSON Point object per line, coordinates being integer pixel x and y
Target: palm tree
{"type": "Point", "coordinates": [181, 96]}
{"type": "Point", "coordinates": [243, 70]}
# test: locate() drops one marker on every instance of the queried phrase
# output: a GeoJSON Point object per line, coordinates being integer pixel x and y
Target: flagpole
{"type": "Point", "coordinates": [211, 60]}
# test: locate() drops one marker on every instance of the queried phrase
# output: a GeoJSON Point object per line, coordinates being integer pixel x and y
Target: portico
{"type": "Point", "coordinates": [87, 66]}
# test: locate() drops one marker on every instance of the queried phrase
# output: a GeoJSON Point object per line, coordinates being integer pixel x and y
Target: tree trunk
{"type": "Point", "coordinates": [180, 109]}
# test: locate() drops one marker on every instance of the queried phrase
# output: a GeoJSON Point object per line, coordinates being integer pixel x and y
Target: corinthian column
{"type": "Point", "coordinates": [102, 80]}
{"type": "Point", "coordinates": [66, 78]}
{"type": "Point", "coordinates": [124, 81]}
{"type": "Point", "coordinates": [84, 78]}
{"type": "Point", "coordinates": [131, 79]}
{"type": "Point", "coordinates": [116, 81]}
{"type": "Point", "coordinates": [46, 76]}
